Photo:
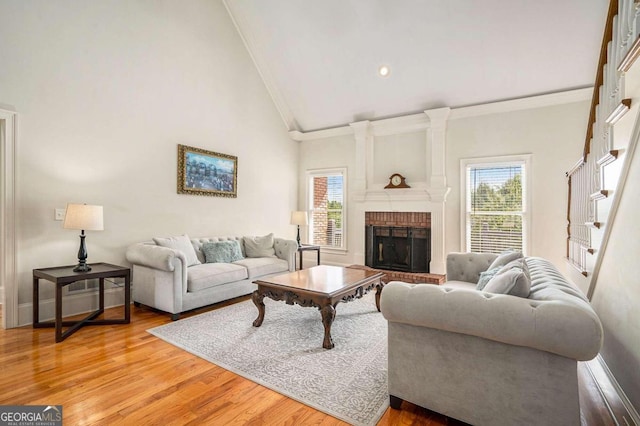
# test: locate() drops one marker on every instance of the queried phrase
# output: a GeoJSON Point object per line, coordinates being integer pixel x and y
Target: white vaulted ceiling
{"type": "Point", "coordinates": [320, 58]}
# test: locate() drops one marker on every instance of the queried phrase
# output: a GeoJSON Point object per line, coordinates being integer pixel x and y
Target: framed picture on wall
{"type": "Point", "coordinates": [202, 172]}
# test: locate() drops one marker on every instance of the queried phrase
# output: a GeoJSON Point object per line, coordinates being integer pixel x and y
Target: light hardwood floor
{"type": "Point", "coordinates": [121, 375]}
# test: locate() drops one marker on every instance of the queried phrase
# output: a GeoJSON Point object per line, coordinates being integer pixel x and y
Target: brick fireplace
{"type": "Point", "coordinates": [420, 224]}
{"type": "Point", "coordinates": [415, 219]}
{"type": "Point", "coordinates": [398, 241]}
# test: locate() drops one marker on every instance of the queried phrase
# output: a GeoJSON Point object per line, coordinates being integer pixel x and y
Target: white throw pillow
{"type": "Point", "coordinates": [259, 246]}
{"type": "Point", "coordinates": [513, 279]}
{"type": "Point", "coordinates": [504, 258]}
{"type": "Point", "coordinates": [181, 243]}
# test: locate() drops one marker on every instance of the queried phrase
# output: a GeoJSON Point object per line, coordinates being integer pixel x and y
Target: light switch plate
{"type": "Point", "coordinates": [59, 214]}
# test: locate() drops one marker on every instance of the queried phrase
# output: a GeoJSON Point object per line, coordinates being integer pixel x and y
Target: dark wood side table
{"type": "Point", "coordinates": [64, 275]}
{"type": "Point", "coordinates": [308, 247]}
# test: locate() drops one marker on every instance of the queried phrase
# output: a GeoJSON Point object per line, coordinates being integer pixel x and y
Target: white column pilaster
{"type": "Point", "coordinates": [436, 137]}
{"type": "Point", "coordinates": [438, 189]}
{"type": "Point", "coordinates": [438, 256]}
{"type": "Point", "coordinates": [364, 155]}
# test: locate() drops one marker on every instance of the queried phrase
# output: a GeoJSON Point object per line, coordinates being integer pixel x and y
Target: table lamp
{"type": "Point", "coordinates": [85, 218]}
{"type": "Point", "coordinates": [299, 218]}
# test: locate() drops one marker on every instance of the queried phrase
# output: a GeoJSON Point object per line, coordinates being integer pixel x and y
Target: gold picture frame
{"type": "Point", "coordinates": [202, 172]}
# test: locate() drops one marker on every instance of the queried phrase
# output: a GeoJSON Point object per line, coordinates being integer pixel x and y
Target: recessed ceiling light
{"type": "Point", "coordinates": [384, 71]}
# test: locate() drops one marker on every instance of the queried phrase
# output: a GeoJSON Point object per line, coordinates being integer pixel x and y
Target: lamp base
{"type": "Point", "coordinates": [82, 256]}
{"type": "Point", "coordinates": [82, 267]}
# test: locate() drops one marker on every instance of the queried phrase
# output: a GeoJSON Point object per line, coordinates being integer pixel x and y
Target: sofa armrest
{"type": "Point", "coordinates": [156, 257]}
{"type": "Point", "coordinates": [567, 327]}
{"type": "Point", "coordinates": [468, 266]}
{"type": "Point", "coordinates": [286, 250]}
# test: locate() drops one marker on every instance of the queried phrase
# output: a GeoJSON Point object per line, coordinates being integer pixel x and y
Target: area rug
{"type": "Point", "coordinates": [285, 353]}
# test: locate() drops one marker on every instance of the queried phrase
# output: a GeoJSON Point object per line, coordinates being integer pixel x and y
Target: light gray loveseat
{"type": "Point", "coordinates": [177, 280]}
{"type": "Point", "coordinates": [486, 358]}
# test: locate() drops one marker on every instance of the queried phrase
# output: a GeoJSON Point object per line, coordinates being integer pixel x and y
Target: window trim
{"type": "Point", "coordinates": [310, 174]}
{"type": "Point", "coordinates": [526, 160]}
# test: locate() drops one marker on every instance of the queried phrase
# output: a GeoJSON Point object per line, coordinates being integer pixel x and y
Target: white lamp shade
{"type": "Point", "coordinates": [299, 218]}
{"type": "Point", "coordinates": [84, 217]}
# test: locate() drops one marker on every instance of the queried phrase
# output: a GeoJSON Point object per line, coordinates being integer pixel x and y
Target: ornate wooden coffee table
{"type": "Point", "coordinates": [322, 287]}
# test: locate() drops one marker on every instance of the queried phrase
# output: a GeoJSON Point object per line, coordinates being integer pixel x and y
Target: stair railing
{"type": "Point", "coordinates": [619, 49]}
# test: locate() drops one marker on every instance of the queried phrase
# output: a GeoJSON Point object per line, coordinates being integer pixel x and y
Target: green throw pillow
{"type": "Point", "coordinates": [222, 251]}
{"type": "Point", "coordinates": [485, 277]}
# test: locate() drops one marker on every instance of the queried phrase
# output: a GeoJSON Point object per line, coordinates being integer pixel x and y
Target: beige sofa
{"type": "Point", "coordinates": [176, 279]}
{"type": "Point", "coordinates": [487, 358]}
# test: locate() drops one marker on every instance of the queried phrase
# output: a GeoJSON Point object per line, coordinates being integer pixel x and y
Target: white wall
{"type": "Point", "coordinates": [327, 153]}
{"type": "Point", "coordinates": [616, 297]}
{"type": "Point", "coordinates": [391, 157]}
{"type": "Point", "coordinates": [615, 283]}
{"type": "Point", "coordinates": [105, 92]}
{"type": "Point", "coordinates": [553, 134]}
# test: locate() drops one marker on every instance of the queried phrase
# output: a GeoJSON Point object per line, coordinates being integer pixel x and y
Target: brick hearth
{"type": "Point", "coordinates": [407, 277]}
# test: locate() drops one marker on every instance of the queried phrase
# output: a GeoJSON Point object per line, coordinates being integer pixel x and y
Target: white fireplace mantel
{"type": "Point", "coordinates": [427, 196]}
{"type": "Point", "coordinates": [433, 195]}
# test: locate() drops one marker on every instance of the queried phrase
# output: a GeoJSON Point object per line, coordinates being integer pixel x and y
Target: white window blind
{"type": "Point", "coordinates": [327, 212]}
{"type": "Point", "coordinates": [495, 207]}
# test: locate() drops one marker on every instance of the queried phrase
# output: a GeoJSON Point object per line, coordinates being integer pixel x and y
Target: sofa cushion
{"type": "Point", "coordinates": [504, 258]}
{"type": "Point", "coordinates": [209, 275]}
{"type": "Point", "coordinates": [259, 246]}
{"type": "Point", "coordinates": [259, 266]}
{"type": "Point", "coordinates": [222, 251]}
{"type": "Point", "coordinates": [181, 243]}
{"type": "Point", "coordinates": [513, 279]}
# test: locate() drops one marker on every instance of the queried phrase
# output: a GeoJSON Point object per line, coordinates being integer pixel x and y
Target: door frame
{"type": "Point", "coordinates": [8, 259]}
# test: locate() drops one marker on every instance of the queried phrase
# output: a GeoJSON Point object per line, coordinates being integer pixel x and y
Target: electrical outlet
{"type": "Point", "coordinates": [59, 214]}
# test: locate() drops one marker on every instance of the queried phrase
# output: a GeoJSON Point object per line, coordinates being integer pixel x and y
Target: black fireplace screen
{"type": "Point", "coordinates": [398, 248]}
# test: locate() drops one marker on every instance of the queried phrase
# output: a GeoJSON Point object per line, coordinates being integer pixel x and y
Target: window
{"type": "Point", "coordinates": [327, 224]}
{"type": "Point", "coordinates": [494, 191]}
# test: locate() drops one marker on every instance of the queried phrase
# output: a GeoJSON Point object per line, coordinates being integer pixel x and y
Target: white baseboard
{"type": "Point", "coordinates": [71, 305]}
{"type": "Point", "coordinates": [344, 265]}
{"type": "Point", "coordinates": [612, 393]}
